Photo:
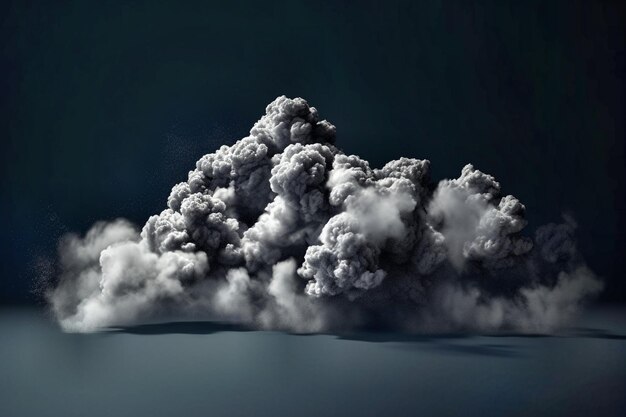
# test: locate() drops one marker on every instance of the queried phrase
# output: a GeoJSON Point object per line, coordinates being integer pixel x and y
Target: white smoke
{"type": "Point", "coordinates": [535, 309]}
{"type": "Point", "coordinates": [283, 231]}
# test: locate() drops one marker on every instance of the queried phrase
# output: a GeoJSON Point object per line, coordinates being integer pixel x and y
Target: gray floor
{"type": "Point", "coordinates": [207, 369]}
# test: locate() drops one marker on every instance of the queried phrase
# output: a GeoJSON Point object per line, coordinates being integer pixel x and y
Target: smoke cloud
{"type": "Point", "coordinates": [282, 230]}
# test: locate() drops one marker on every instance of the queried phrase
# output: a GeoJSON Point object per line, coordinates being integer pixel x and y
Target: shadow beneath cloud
{"type": "Point", "coordinates": [181, 327]}
{"type": "Point", "coordinates": [594, 333]}
{"type": "Point", "coordinates": [468, 343]}
{"type": "Point", "coordinates": [444, 343]}
{"type": "Point", "coordinates": [449, 343]}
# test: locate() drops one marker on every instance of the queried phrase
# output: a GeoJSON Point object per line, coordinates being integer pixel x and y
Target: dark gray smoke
{"type": "Point", "coordinates": [283, 230]}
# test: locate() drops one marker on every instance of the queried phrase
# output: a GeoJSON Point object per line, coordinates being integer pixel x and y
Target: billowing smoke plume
{"type": "Point", "coordinates": [282, 230]}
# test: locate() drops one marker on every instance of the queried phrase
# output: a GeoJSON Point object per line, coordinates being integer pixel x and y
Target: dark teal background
{"type": "Point", "coordinates": [105, 105]}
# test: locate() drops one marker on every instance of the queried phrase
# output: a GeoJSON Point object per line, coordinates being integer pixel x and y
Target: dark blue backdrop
{"type": "Point", "coordinates": [105, 105]}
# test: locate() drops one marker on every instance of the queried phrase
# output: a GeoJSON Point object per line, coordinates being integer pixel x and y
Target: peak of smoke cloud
{"type": "Point", "coordinates": [283, 230]}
